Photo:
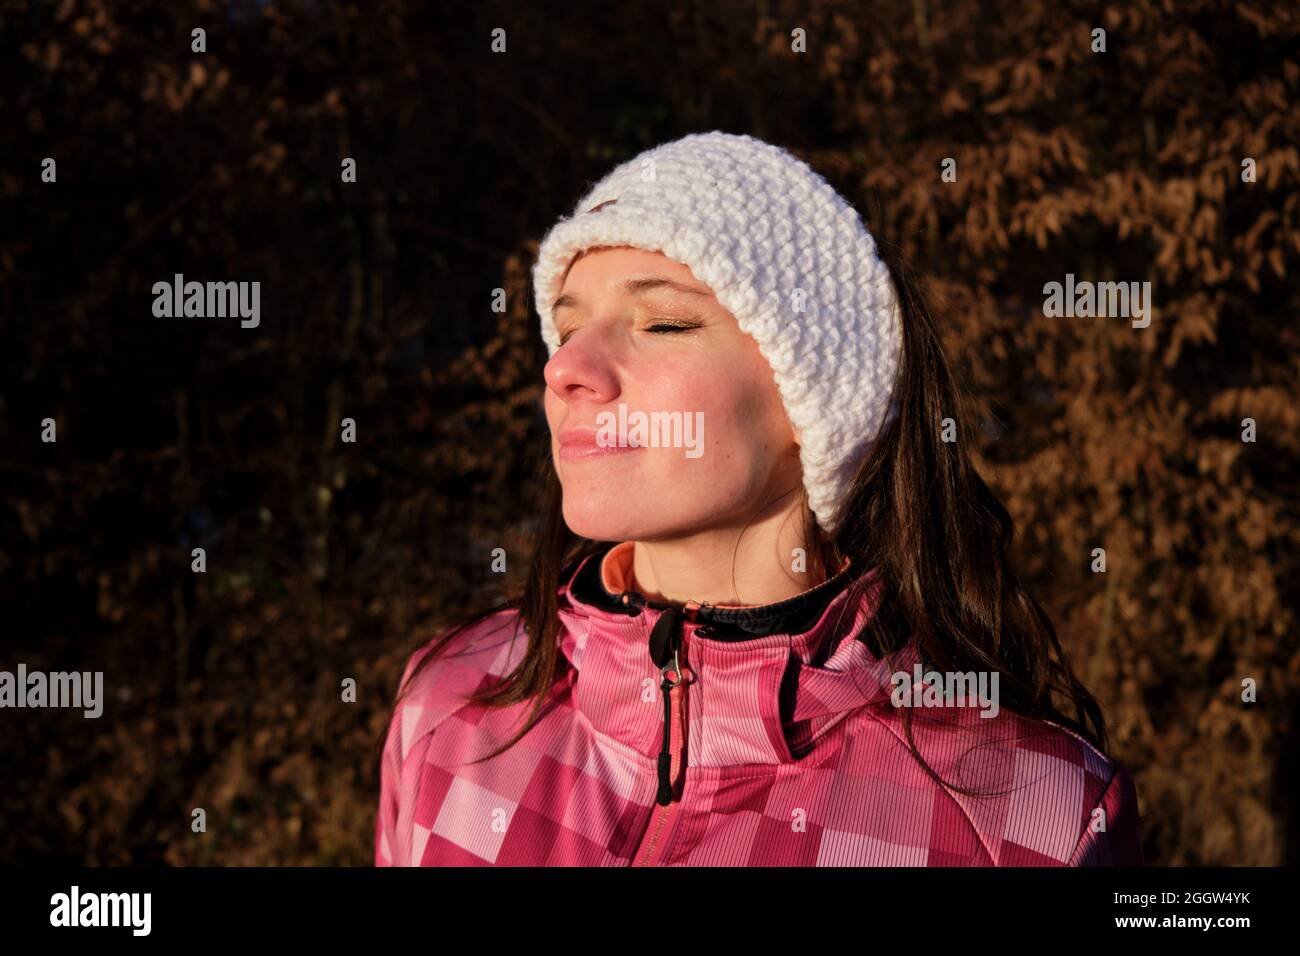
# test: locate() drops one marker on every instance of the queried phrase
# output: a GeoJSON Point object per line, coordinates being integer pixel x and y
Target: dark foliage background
{"type": "Point", "coordinates": [329, 560]}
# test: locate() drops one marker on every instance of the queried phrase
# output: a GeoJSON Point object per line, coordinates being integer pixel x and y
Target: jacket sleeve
{"type": "Point", "coordinates": [1120, 843]}
{"type": "Point", "coordinates": [392, 834]}
{"type": "Point", "coordinates": [390, 774]}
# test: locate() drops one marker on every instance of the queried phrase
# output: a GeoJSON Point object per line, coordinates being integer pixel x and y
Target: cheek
{"type": "Point", "coordinates": [744, 402]}
{"type": "Point", "coordinates": [744, 421]}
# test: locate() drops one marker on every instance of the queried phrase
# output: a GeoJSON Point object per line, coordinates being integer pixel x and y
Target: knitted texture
{"type": "Point", "coordinates": [786, 255]}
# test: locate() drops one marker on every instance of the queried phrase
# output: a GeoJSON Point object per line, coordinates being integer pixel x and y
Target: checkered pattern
{"type": "Point", "coordinates": [795, 757]}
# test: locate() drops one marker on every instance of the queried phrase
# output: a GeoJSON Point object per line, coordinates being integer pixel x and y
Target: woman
{"type": "Point", "coordinates": [770, 618]}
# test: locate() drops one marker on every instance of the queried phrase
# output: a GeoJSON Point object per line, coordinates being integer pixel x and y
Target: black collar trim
{"type": "Point", "coordinates": [791, 616]}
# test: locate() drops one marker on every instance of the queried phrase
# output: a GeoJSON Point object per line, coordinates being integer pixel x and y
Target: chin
{"type": "Point", "coordinates": [625, 519]}
{"type": "Point", "coordinates": [602, 516]}
{"type": "Point", "coordinates": [612, 523]}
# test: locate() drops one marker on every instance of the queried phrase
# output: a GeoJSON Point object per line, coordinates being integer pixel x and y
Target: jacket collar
{"type": "Point", "coordinates": [606, 581]}
{"type": "Point", "coordinates": [762, 699]}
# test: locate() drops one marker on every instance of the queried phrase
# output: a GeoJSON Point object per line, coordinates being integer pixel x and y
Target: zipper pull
{"type": "Point", "coordinates": [665, 642]}
{"type": "Point", "coordinates": [665, 794]}
{"type": "Point", "coordinates": [665, 636]}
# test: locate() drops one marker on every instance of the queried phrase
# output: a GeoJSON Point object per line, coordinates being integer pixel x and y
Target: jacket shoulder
{"type": "Point", "coordinates": [436, 682]}
{"type": "Point", "coordinates": [1074, 794]}
{"type": "Point", "coordinates": [1043, 795]}
{"type": "Point", "coordinates": [434, 687]}
{"type": "Point", "coordinates": [1069, 805]}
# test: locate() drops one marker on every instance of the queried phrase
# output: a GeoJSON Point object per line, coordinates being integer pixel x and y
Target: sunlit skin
{"type": "Point", "coordinates": [722, 527]}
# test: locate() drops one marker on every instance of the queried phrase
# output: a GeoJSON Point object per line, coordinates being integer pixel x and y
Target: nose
{"type": "Point", "coordinates": [581, 369]}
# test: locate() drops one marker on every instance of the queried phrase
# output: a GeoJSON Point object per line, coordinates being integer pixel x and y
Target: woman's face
{"type": "Point", "coordinates": [639, 330]}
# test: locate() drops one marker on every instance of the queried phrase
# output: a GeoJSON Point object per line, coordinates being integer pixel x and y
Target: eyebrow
{"type": "Point", "coordinates": [631, 287]}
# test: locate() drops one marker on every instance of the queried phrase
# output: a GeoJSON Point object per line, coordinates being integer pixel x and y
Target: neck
{"type": "Point", "coordinates": [752, 566]}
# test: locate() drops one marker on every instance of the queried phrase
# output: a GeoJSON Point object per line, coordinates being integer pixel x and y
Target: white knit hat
{"type": "Point", "coordinates": [786, 255]}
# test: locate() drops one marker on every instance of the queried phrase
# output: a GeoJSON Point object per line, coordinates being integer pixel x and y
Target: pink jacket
{"type": "Point", "coordinates": [794, 755]}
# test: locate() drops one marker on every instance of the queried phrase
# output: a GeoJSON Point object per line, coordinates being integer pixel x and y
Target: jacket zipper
{"type": "Point", "coordinates": [667, 647]}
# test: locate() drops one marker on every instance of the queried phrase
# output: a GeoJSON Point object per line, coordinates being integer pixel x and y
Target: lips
{"type": "Point", "coordinates": [578, 443]}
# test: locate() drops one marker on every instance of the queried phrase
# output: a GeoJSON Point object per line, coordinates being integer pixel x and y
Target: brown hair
{"type": "Point", "coordinates": [919, 512]}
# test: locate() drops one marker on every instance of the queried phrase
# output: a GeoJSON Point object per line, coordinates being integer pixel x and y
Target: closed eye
{"type": "Point", "coordinates": [663, 327]}
{"type": "Point", "coordinates": [668, 328]}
